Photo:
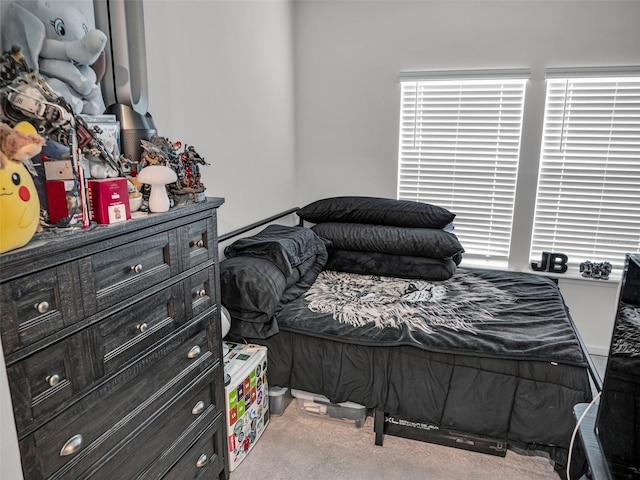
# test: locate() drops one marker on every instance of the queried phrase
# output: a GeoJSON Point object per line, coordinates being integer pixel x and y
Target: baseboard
{"type": "Point", "coordinates": [598, 350]}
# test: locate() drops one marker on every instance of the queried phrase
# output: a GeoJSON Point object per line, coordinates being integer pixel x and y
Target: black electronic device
{"type": "Point", "coordinates": [618, 420]}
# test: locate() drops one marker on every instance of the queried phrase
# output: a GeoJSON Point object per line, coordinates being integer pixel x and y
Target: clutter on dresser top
{"type": "Point", "coordinates": [81, 178]}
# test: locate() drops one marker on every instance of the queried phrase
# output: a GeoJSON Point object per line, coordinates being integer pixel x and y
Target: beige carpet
{"type": "Point", "coordinates": [297, 446]}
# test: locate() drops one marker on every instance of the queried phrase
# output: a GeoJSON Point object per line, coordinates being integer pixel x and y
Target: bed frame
{"type": "Point", "coordinates": [385, 423]}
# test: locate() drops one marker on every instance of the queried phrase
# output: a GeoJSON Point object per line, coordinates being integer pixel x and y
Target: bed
{"type": "Point", "coordinates": [370, 305]}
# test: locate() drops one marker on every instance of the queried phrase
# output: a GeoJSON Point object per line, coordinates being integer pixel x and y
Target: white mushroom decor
{"type": "Point", "coordinates": [157, 176]}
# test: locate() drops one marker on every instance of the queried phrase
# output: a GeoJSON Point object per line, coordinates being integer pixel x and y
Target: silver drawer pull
{"type": "Point", "coordinates": [194, 352]}
{"type": "Point", "coordinates": [202, 461]}
{"type": "Point", "coordinates": [136, 268]}
{"type": "Point", "coordinates": [201, 293]}
{"type": "Point", "coordinates": [142, 327]}
{"type": "Point", "coordinates": [198, 244]}
{"type": "Point", "coordinates": [71, 446]}
{"type": "Point", "coordinates": [53, 380]}
{"type": "Point", "coordinates": [42, 307]}
{"type": "Point", "coordinates": [198, 408]}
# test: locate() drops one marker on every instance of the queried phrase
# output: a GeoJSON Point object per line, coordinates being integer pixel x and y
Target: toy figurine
{"type": "Point", "coordinates": [586, 268]}
{"type": "Point", "coordinates": [151, 155]}
{"type": "Point", "coordinates": [186, 165]}
{"type": "Point", "coordinates": [13, 65]}
{"type": "Point", "coordinates": [595, 270]}
{"type": "Point", "coordinates": [191, 160]}
{"type": "Point", "coordinates": [605, 270]}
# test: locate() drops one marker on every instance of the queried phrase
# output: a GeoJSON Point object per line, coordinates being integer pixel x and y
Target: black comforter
{"type": "Point", "coordinates": [274, 281]}
{"type": "Point", "coordinates": [485, 313]}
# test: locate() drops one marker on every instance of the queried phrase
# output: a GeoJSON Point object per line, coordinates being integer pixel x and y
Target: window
{"type": "Point", "coordinates": [588, 198]}
{"type": "Point", "coordinates": [459, 148]}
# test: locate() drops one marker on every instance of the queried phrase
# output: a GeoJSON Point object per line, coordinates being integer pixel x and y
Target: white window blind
{"type": "Point", "coordinates": [588, 199]}
{"type": "Point", "coordinates": [459, 148]}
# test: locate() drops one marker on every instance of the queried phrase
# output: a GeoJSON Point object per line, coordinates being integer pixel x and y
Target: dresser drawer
{"type": "Point", "coordinates": [118, 273]}
{"type": "Point", "coordinates": [162, 442]}
{"type": "Point", "coordinates": [128, 333]}
{"type": "Point", "coordinates": [43, 381]}
{"type": "Point", "coordinates": [200, 289]}
{"type": "Point", "coordinates": [111, 413]}
{"type": "Point", "coordinates": [205, 459]}
{"type": "Point", "coordinates": [198, 242]}
{"type": "Point", "coordinates": [37, 305]}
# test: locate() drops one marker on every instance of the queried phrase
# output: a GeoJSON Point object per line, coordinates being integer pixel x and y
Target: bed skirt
{"type": "Point", "coordinates": [521, 403]}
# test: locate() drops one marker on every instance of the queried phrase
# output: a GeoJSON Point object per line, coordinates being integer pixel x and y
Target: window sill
{"type": "Point", "coordinates": [572, 275]}
{"type": "Point", "coordinates": [613, 282]}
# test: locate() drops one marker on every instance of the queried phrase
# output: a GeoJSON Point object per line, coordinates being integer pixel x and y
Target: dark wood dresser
{"type": "Point", "coordinates": [113, 351]}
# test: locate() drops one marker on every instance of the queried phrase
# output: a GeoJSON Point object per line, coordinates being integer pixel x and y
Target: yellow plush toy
{"type": "Point", "coordinates": [19, 203]}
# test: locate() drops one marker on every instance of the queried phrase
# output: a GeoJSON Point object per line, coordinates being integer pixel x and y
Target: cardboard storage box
{"type": "Point", "coordinates": [109, 200]}
{"type": "Point", "coordinates": [279, 398]}
{"type": "Point", "coordinates": [320, 406]}
{"type": "Point", "coordinates": [247, 399]}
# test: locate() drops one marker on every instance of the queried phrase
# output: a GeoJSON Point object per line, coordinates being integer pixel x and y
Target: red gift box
{"type": "Point", "coordinates": [62, 200]}
{"type": "Point", "coordinates": [109, 200]}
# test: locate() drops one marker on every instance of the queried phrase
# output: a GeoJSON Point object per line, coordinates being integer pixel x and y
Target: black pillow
{"type": "Point", "coordinates": [415, 242]}
{"type": "Point", "coordinates": [377, 211]}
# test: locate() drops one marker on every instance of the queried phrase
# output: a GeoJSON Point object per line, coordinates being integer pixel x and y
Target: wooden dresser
{"type": "Point", "coordinates": [113, 351]}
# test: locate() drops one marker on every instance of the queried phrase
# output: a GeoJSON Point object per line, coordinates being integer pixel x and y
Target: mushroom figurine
{"type": "Point", "coordinates": [157, 176]}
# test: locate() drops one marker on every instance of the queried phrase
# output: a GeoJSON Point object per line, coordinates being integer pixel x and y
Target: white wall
{"type": "Point", "coordinates": [349, 55]}
{"type": "Point", "coordinates": [221, 79]}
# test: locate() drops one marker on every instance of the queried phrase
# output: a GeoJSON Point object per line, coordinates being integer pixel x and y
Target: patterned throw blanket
{"type": "Point", "coordinates": [476, 312]}
{"type": "Point", "coordinates": [456, 304]}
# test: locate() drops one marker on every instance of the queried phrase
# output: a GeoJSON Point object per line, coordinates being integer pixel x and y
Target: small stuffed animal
{"type": "Point", "coordinates": [19, 203]}
{"type": "Point", "coordinates": [17, 145]}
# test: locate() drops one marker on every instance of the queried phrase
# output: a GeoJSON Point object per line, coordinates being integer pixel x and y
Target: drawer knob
{"type": "Point", "coordinates": [136, 268]}
{"type": "Point", "coordinates": [53, 380]}
{"type": "Point", "coordinates": [71, 446]}
{"type": "Point", "coordinates": [194, 352]}
{"type": "Point", "coordinates": [42, 307]}
{"type": "Point", "coordinates": [198, 244]}
{"type": "Point", "coordinates": [142, 327]}
{"type": "Point", "coordinates": [202, 461]}
{"type": "Point", "coordinates": [201, 293]}
{"type": "Point", "coordinates": [198, 408]}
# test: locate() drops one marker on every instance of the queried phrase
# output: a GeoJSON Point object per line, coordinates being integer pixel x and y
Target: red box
{"type": "Point", "coordinates": [109, 200]}
{"type": "Point", "coordinates": [62, 200]}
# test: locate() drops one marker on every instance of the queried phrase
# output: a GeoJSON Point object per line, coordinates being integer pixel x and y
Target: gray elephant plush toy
{"type": "Point", "coordinates": [59, 43]}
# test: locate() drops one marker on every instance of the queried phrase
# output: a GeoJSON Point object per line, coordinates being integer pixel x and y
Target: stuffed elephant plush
{"type": "Point", "coordinates": [59, 43]}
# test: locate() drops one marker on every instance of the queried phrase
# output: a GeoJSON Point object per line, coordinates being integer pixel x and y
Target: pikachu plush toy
{"type": "Point", "coordinates": [19, 203]}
